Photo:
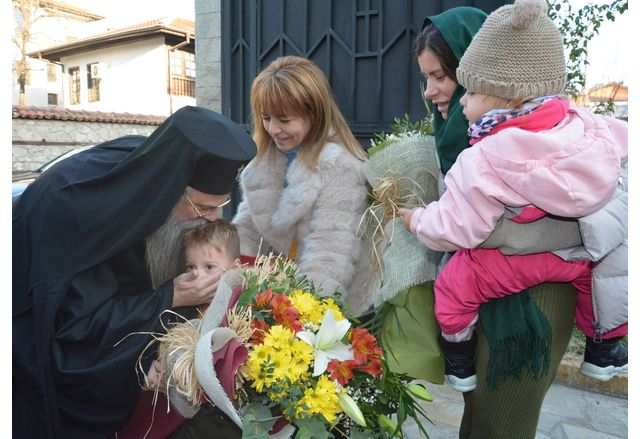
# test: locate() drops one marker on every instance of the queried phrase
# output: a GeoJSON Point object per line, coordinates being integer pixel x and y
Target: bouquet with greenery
{"type": "Point", "coordinates": [281, 361]}
{"type": "Point", "coordinates": [403, 172]}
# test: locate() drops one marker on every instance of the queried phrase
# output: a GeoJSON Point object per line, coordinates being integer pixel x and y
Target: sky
{"type": "Point", "coordinates": [138, 8]}
{"type": "Point", "coordinates": [609, 51]}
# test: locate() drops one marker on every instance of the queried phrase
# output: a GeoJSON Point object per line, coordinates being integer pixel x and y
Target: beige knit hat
{"type": "Point", "coordinates": [517, 54]}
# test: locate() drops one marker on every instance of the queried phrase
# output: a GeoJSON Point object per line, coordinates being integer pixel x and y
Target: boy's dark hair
{"type": "Point", "coordinates": [431, 39]}
{"type": "Point", "coordinates": [221, 234]}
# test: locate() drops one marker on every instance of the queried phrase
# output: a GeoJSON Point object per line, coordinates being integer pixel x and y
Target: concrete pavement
{"type": "Point", "coordinates": [567, 413]}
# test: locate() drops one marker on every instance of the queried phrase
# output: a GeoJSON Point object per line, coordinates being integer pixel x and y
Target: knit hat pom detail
{"type": "Point", "coordinates": [525, 12]}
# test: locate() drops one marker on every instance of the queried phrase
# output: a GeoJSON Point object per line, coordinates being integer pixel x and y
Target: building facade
{"type": "Point", "coordinates": [147, 68]}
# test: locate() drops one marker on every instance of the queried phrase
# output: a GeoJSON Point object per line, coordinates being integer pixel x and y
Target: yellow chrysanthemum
{"type": "Point", "coordinates": [322, 399]}
{"type": "Point", "coordinates": [288, 358]}
{"type": "Point", "coordinates": [307, 305]}
{"type": "Point", "coordinates": [302, 352]}
{"type": "Point", "coordinates": [278, 337]}
{"type": "Point", "coordinates": [257, 367]}
{"type": "Point", "coordinates": [328, 303]}
{"type": "Point", "coordinates": [282, 366]}
{"type": "Point", "coordinates": [277, 396]}
{"type": "Point", "coordinates": [259, 352]}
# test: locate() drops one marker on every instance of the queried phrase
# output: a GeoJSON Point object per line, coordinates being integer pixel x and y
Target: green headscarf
{"type": "Point", "coordinates": [457, 26]}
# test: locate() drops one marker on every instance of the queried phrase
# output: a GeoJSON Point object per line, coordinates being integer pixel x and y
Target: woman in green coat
{"type": "Point", "coordinates": [512, 410]}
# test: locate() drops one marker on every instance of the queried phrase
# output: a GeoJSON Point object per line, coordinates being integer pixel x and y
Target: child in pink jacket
{"type": "Point", "coordinates": [533, 154]}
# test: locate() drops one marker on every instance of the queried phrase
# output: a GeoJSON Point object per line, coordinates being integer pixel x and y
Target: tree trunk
{"type": "Point", "coordinates": [21, 83]}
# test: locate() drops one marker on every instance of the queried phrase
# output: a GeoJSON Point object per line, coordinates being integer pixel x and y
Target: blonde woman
{"type": "Point", "coordinates": [304, 193]}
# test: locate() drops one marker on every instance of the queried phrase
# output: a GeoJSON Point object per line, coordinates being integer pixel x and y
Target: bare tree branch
{"type": "Point", "coordinates": [28, 13]}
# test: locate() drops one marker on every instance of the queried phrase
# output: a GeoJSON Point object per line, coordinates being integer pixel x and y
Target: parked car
{"type": "Point", "coordinates": [21, 181]}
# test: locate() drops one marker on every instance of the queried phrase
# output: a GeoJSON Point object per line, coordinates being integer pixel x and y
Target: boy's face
{"type": "Point", "coordinates": [203, 260]}
{"type": "Point", "coordinates": [475, 105]}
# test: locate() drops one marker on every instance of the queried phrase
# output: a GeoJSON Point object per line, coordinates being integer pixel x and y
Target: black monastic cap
{"type": "Point", "coordinates": [214, 175]}
{"type": "Point", "coordinates": [226, 146]}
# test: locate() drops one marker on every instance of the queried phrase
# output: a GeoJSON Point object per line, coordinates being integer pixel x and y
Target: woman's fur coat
{"type": "Point", "coordinates": [322, 208]}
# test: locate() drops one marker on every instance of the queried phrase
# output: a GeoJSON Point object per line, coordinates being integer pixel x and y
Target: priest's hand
{"type": "Point", "coordinates": [194, 288]}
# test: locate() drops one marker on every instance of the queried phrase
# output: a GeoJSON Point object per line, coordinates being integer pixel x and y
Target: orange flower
{"type": "Point", "coordinates": [284, 313]}
{"type": "Point", "coordinates": [279, 306]}
{"type": "Point", "coordinates": [373, 368]}
{"type": "Point", "coordinates": [341, 371]}
{"type": "Point", "coordinates": [260, 328]}
{"type": "Point", "coordinates": [291, 319]}
{"type": "Point", "coordinates": [364, 345]}
{"type": "Point", "coordinates": [264, 298]}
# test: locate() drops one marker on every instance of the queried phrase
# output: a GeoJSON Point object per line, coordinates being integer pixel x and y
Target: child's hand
{"type": "Point", "coordinates": [406, 215]}
{"type": "Point", "coordinates": [155, 377]}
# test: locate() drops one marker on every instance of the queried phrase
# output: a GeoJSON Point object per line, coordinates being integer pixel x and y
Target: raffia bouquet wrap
{"type": "Point", "coordinates": [203, 357]}
{"type": "Point", "coordinates": [278, 358]}
{"type": "Point", "coordinates": [403, 173]}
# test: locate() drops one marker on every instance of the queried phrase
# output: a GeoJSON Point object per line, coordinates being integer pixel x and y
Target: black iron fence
{"type": "Point", "coordinates": [363, 46]}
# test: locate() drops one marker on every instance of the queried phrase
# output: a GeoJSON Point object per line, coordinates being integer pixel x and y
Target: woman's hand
{"type": "Point", "coordinates": [406, 215]}
{"type": "Point", "coordinates": [192, 288]}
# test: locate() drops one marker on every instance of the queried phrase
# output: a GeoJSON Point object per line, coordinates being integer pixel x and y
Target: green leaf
{"type": "Point", "coordinates": [402, 411]}
{"type": "Point", "coordinates": [358, 434]}
{"type": "Point", "coordinates": [256, 421]}
{"type": "Point", "coordinates": [389, 426]}
{"type": "Point", "coordinates": [312, 428]}
{"type": "Point", "coordinates": [247, 296]}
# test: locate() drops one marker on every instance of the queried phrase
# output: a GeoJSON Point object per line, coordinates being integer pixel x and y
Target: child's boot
{"type": "Point", "coordinates": [459, 363]}
{"type": "Point", "coordinates": [604, 359]}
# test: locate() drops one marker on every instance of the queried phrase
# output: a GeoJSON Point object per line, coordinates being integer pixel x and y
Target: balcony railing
{"type": "Point", "coordinates": [183, 86]}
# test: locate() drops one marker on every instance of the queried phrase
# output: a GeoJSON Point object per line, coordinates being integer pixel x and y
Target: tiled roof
{"type": "Point", "coordinates": [612, 91]}
{"type": "Point", "coordinates": [60, 113]}
{"type": "Point", "coordinates": [181, 24]}
{"type": "Point", "coordinates": [172, 26]}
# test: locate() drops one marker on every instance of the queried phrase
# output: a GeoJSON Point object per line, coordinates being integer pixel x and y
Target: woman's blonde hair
{"type": "Point", "coordinates": [294, 86]}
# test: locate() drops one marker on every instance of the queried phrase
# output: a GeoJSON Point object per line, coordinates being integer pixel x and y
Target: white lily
{"type": "Point", "coordinates": [326, 342]}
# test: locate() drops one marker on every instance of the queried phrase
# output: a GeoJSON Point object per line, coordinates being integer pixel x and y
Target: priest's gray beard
{"type": "Point", "coordinates": [164, 255]}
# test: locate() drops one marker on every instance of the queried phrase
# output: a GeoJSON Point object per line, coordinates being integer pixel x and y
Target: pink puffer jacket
{"type": "Point", "coordinates": [570, 170]}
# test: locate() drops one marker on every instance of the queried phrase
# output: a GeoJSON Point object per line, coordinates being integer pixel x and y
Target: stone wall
{"type": "Point", "coordinates": [208, 54]}
{"type": "Point", "coordinates": [36, 141]}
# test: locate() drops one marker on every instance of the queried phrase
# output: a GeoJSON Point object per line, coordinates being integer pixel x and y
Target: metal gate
{"type": "Point", "coordinates": [364, 48]}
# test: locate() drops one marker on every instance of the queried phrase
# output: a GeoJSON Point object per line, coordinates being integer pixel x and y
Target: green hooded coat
{"type": "Point", "coordinates": [457, 26]}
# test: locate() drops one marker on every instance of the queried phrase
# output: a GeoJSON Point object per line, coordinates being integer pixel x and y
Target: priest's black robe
{"type": "Point", "coordinates": [80, 283]}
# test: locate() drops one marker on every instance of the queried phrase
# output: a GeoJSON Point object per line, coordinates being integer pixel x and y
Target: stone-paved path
{"type": "Point", "coordinates": [567, 413]}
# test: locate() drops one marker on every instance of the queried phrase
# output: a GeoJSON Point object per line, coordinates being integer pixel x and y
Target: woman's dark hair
{"type": "Point", "coordinates": [431, 39]}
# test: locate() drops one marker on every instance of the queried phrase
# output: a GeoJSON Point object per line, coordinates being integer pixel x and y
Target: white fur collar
{"type": "Point", "coordinates": [277, 210]}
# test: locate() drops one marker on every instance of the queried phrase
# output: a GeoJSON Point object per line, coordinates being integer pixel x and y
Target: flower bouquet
{"type": "Point", "coordinates": [280, 361]}
{"type": "Point", "coordinates": [403, 172]}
